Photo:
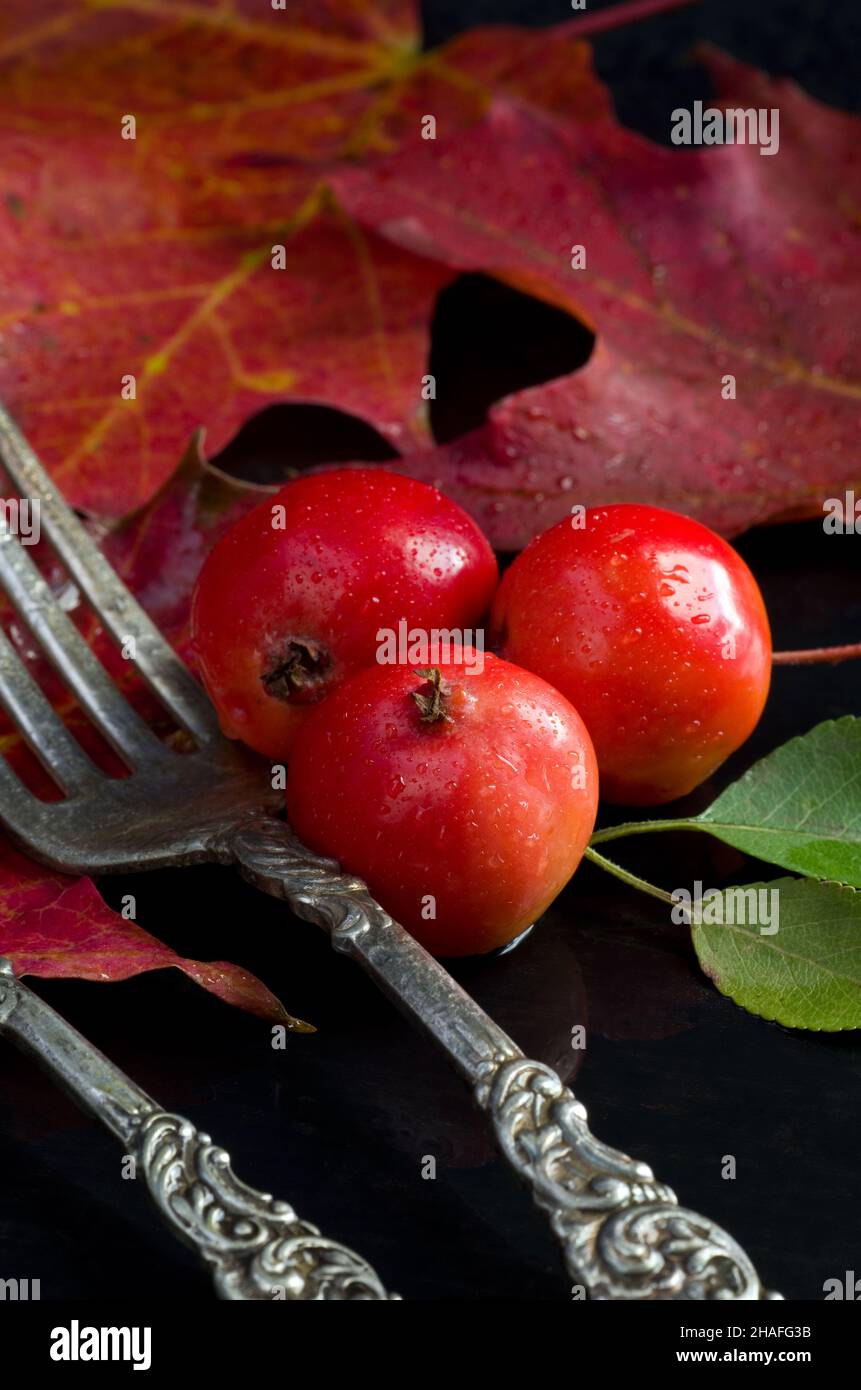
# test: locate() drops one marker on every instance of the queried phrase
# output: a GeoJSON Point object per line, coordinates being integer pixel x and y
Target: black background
{"type": "Point", "coordinates": [340, 1121]}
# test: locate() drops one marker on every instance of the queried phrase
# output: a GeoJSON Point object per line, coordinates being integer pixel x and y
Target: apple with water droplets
{"type": "Point", "coordinates": [655, 630]}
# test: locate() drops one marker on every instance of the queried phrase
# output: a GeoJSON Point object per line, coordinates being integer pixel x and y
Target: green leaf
{"type": "Point", "coordinates": [801, 806]}
{"type": "Point", "coordinates": [807, 974]}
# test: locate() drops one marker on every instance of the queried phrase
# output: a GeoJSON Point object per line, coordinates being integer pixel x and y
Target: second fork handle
{"type": "Point", "coordinates": [623, 1234]}
{"type": "Point", "coordinates": [257, 1248]}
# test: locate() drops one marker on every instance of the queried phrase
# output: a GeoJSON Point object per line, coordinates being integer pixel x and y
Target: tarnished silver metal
{"type": "Point", "coordinates": [257, 1247]}
{"type": "Point", "coordinates": [623, 1235]}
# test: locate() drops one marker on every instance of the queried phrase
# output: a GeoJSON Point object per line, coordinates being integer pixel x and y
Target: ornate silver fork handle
{"type": "Point", "coordinates": [257, 1247]}
{"type": "Point", "coordinates": [623, 1235]}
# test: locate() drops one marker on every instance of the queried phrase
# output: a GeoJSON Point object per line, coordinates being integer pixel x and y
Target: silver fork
{"type": "Point", "coordinates": [257, 1248]}
{"type": "Point", "coordinates": [623, 1234]}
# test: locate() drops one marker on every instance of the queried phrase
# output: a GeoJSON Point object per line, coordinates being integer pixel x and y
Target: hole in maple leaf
{"type": "Point", "coordinates": [284, 440]}
{"type": "Point", "coordinates": [487, 341]}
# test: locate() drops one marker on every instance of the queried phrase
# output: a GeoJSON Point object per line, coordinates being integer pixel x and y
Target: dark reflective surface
{"type": "Point", "coordinates": [342, 1121]}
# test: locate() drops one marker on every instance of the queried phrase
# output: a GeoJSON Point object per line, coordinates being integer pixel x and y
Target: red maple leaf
{"type": "Point", "coordinates": [723, 286]}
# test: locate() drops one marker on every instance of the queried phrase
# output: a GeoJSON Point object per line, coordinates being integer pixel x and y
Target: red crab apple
{"type": "Point", "coordinates": [463, 794]}
{"type": "Point", "coordinates": [294, 596]}
{"type": "Point", "coordinates": [655, 629]}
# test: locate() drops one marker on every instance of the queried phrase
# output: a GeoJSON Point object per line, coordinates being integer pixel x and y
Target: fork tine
{"type": "Point", "coordinates": [67, 651]}
{"type": "Point", "coordinates": [19, 808]}
{"type": "Point", "coordinates": [121, 614]}
{"type": "Point", "coordinates": [44, 731]}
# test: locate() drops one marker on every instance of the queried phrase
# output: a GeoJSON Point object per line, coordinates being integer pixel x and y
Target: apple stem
{"type": "Point", "coordinates": [300, 665]}
{"type": "Point", "coordinates": [617, 15]}
{"type": "Point", "coordinates": [432, 704]}
{"type": "Point", "coordinates": [818, 656]}
{"type": "Point", "coordinates": [631, 879]}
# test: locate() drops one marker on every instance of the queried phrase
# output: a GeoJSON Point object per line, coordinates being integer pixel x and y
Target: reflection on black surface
{"type": "Point", "coordinates": [341, 1121]}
